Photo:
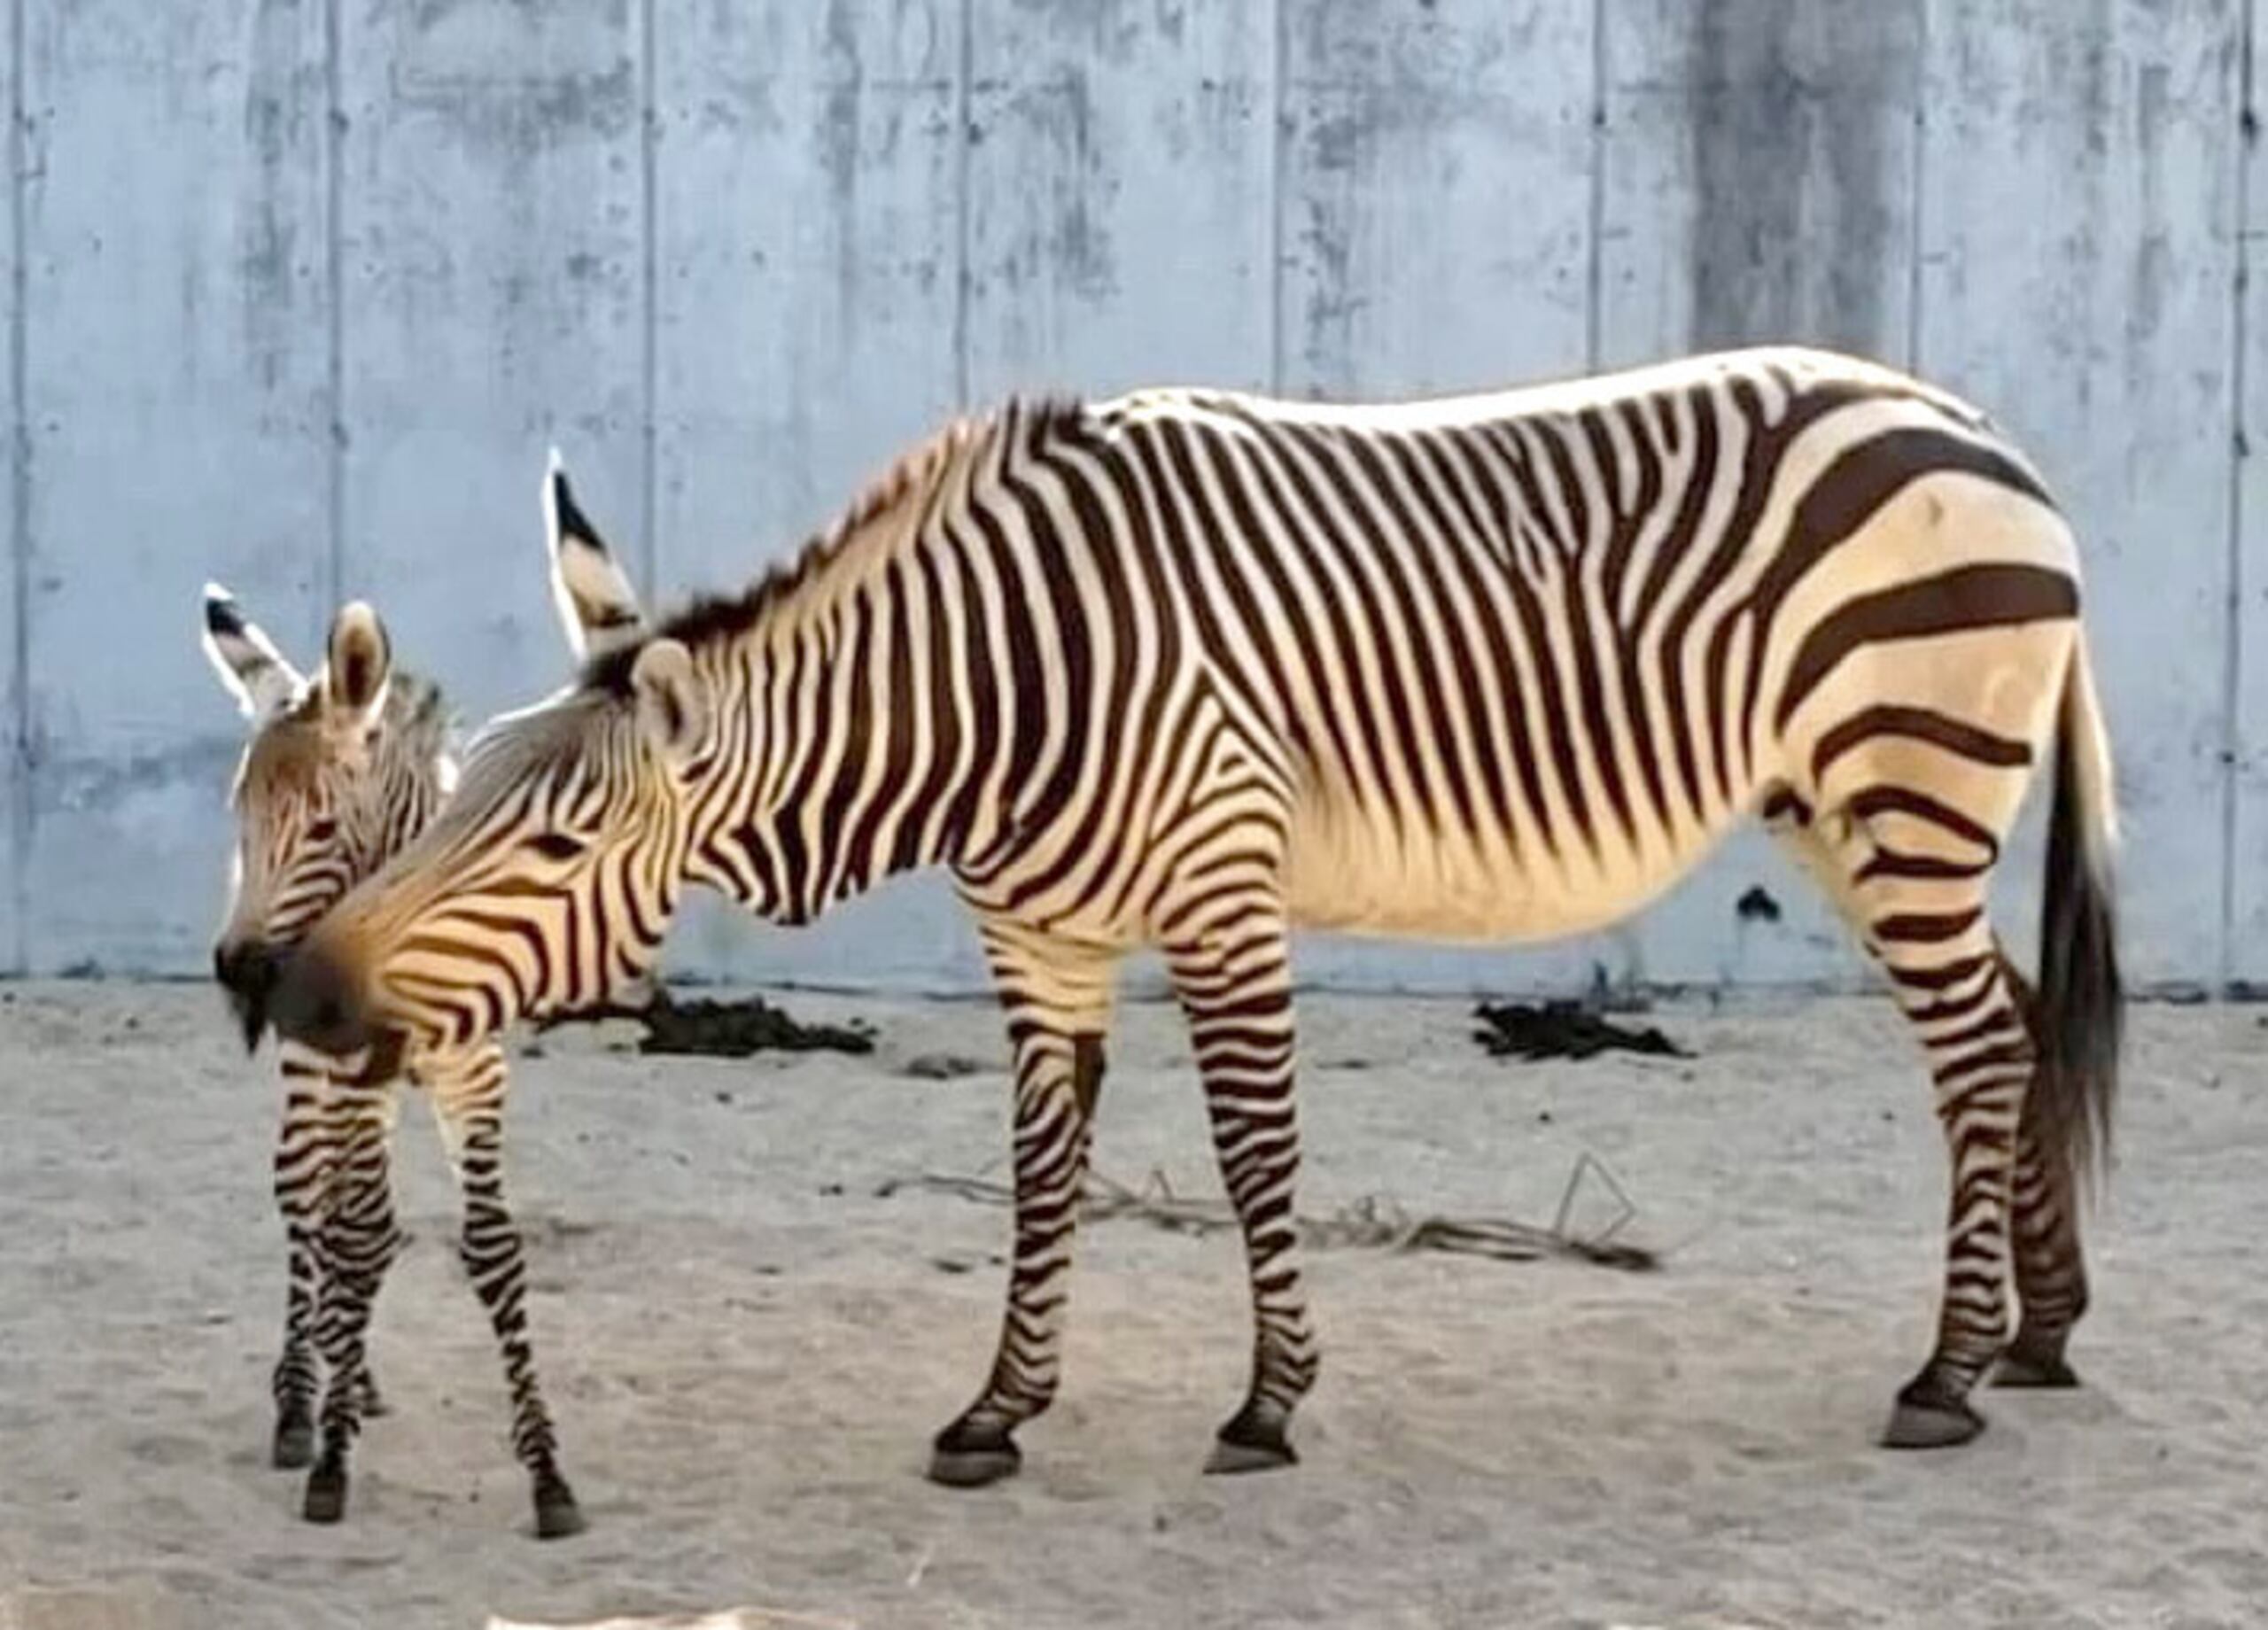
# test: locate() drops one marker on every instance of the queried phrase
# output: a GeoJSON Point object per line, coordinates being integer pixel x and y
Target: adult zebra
{"type": "Point", "coordinates": [341, 772]}
{"type": "Point", "coordinates": [1186, 668]}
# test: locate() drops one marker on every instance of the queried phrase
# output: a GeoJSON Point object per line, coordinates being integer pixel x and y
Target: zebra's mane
{"type": "Point", "coordinates": [417, 716]}
{"type": "Point", "coordinates": [910, 480]}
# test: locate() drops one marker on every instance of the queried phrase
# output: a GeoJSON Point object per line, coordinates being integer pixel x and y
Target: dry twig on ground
{"type": "Point", "coordinates": [1372, 1222]}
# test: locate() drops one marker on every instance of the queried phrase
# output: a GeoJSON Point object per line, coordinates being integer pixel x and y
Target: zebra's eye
{"type": "Point", "coordinates": [558, 846]}
{"type": "Point", "coordinates": [321, 829]}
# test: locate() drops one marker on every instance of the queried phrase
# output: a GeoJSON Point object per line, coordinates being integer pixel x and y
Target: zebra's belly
{"type": "Point", "coordinates": [1366, 878]}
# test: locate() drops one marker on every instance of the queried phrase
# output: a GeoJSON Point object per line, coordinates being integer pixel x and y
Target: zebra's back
{"type": "Point", "coordinates": [1521, 658]}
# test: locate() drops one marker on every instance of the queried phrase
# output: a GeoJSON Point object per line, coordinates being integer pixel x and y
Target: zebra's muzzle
{"type": "Point", "coordinates": [246, 971]}
{"type": "Point", "coordinates": [312, 1002]}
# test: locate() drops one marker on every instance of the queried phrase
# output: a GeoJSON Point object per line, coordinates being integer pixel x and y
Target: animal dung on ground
{"type": "Point", "coordinates": [1562, 1030]}
{"type": "Point", "coordinates": [943, 1067]}
{"type": "Point", "coordinates": [720, 1029]}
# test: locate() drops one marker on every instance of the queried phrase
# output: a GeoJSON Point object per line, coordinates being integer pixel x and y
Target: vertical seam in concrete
{"type": "Point", "coordinates": [2232, 609]}
{"type": "Point", "coordinates": [1916, 186]}
{"type": "Point", "coordinates": [20, 490]}
{"type": "Point", "coordinates": [334, 228]}
{"type": "Point", "coordinates": [1595, 267]}
{"type": "Point", "coordinates": [649, 303]}
{"type": "Point", "coordinates": [962, 98]}
{"type": "Point", "coordinates": [1277, 56]}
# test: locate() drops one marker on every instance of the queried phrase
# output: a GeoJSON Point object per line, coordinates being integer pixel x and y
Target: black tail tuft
{"type": "Point", "coordinates": [2080, 1008]}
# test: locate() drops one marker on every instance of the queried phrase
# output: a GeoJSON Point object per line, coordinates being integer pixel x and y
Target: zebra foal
{"type": "Point", "coordinates": [340, 772]}
{"type": "Point", "coordinates": [1187, 668]}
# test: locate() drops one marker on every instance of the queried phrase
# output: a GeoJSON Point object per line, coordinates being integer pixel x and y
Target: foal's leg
{"type": "Point", "coordinates": [303, 1161]}
{"type": "Point", "coordinates": [469, 1103]}
{"type": "Point", "coordinates": [357, 1239]}
{"type": "Point", "coordinates": [1057, 995]}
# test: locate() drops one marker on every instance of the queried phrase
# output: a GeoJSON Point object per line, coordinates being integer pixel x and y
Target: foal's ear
{"type": "Point", "coordinates": [672, 699]}
{"type": "Point", "coordinates": [359, 664]}
{"type": "Point", "coordinates": [246, 659]}
{"type": "Point", "coordinates": [598, 609]}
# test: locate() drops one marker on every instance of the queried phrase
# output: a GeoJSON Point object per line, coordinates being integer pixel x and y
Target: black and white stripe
{"type": "Point", "coordinates": [1187, 670]}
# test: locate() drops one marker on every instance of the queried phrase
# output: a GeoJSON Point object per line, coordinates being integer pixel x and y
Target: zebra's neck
{"type": "Point", "coordinates": [866, 725]}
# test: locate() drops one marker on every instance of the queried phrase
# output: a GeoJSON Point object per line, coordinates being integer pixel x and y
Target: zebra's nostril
{"type": "Point", "coordinates": [247, 968]}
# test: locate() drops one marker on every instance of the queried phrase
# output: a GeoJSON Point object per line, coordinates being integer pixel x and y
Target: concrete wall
{"type": "Point", "coordinates": [301, 289]}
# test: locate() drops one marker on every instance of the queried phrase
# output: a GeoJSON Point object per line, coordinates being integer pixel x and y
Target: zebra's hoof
{"type": "Point", "coordinates": [2037, 1364]}
{"type": "Point", "coordinates": [370, 1403]}
{"type": "Point", "coordinates": [969, 1457]}
{"type": "Point", "coordinates": [326, 1496]}
{"type": "Point", "coordinates": [1929, 1416]}
{"type": "Point", "coordinates": [556, 1514]}
{"type": "Point", "coordinates": [1246, 1445]}
{"type": "Point", "coordinates": [293, 1449]}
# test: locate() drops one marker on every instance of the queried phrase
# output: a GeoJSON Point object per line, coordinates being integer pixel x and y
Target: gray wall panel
{"type": "Point", "coordinates": [177, 397]}
{"type": "Point", "coordinates": [308, 285]}
{"type": "Point", "coordinates": [2079, 187]}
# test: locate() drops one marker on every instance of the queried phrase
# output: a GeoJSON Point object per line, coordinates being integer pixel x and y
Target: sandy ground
{"type": "Point", "coordinates": [747, 1348]}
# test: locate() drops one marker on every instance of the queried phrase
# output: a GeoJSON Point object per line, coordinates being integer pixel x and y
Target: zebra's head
{"type": "Point", "coordinates": [335, 766]}
{"type": "Point", "coordinates": [548, 883]}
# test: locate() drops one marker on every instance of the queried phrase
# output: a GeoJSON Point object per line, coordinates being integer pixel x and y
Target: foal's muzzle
{"type": "Point", "coordinates": [247, 969]}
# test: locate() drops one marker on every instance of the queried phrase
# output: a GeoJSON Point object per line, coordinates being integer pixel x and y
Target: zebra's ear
{"type": "Point", "coordinates": [673, 701]}
{"type": "Point", "coordinates": [246, 659]}
{"type": "Point", "coordinates": [598, 609]}
{"type": "Point", "coordinates": [359, 664]}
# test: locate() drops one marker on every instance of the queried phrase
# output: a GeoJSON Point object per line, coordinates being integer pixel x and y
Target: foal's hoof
{"type": "Point", "coordinates": [1929, 1416]}
{"type": "Point", "coordinates": [1246, 1445]}
{"type": "Point", "coordinates": [370, 1403]}
{"type": "Point", "coordinates": [556, 1513]}
{"type": "Point", "coordinates": [293, 1449]}
{"type": "Point", "coordinates": [969, 1457]}
{"type": "Point", "coordinates": [326, 1497]}
{"type": "Point", "coordinates": [2036, 1364]}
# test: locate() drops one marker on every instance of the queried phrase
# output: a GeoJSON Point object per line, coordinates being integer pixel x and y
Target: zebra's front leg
{"type": "Point", "coordinates": [468, 1101]}
{"type": "Point", "coordinates": [359, 1239]}
{"type": "Point", "coordinates": [1235, 986]}
{"type": "Point", "coordinates": [1058, 1001]}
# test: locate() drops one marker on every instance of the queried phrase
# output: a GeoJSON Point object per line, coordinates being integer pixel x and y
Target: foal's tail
{"type": "Point", "coordinates": [2077, 1011]}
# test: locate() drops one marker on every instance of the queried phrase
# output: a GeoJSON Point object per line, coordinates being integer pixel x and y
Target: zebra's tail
{"type": "Point", "coordinates": [2077, 1011]}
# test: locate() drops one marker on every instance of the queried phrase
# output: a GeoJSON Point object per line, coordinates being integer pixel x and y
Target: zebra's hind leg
{"type": "Point", "coordinates": [2051, 1268]}
{"type": "Point", "coordinates": [1057, 996]}
{"type": "Point", "coordinates": [1911, 873]}
{"type": "Point", "coordinates": [469, 1102]}
{"type": "Point", "coordinates": [1233, 977]}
